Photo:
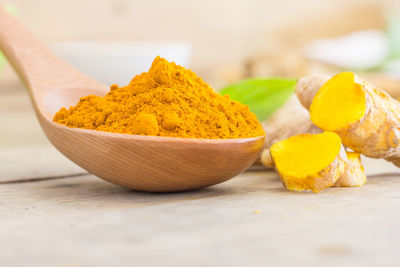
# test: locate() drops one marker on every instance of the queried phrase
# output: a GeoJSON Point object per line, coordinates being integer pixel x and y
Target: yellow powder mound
{"type": "Point", "coordinates": [168, 100]}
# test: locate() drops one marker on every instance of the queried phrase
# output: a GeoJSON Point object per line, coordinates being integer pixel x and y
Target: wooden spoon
{"type": "Point", "coordinates": [148, 163]}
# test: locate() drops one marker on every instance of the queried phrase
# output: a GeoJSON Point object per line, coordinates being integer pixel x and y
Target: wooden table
{"type": "Point", "coordinates": [52, 213]}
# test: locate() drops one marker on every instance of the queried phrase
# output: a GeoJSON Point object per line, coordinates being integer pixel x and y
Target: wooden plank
{"type": "Point", "coordinates": [83, 221]}
{"type": "Point", "coordinates": [25, 153]}
{"type": "Point", "coordinates": [19, 125]}
{"type": "Point", "coordinates": [34, 162]}
{"type": "Point", "coordinates": [378, 166]}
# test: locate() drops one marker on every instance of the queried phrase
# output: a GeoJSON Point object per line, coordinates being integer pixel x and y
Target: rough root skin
{"type": "Point", "coordinates": [377, 133]}
{"type": "Point", "coordinates": [354, 174]}
{"type": "Point", "coordinates": [308, 86]}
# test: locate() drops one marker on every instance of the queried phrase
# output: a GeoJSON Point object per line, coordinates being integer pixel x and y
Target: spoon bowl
{"type": "Point", "coordinates": [151, 163]}
{"type": "Point", "coordinates": [148, 163]}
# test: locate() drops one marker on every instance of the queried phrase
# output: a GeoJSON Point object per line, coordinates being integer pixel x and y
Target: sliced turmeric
{"type": "Point", "coordinates": [309, 161]}
{"type": "Point", "coordinates": [365, 117]}
{"type": "Point", "coordinates": [339, 103]}
{"type": "Point", "coordinates": [291, 119]}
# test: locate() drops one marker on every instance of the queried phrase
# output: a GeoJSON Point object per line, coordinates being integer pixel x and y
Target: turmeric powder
{"type": "Point", "coordinates": [168, 100]}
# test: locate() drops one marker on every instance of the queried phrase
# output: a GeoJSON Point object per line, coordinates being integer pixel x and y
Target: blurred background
{"type": "Point", "coordinates": [224, 41]}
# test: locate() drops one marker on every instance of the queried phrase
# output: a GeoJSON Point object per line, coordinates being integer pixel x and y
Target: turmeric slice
{"type": "Point", "coordinates": [291, 119]}
{"type": "Point", "coordinates": [365, 117]}
{"type": "Point", "coordinates": [309, 161]}
{"type": "Point", "coordinates": [338, 103]}
{"type": "Point", "coordinates": [354, 174]}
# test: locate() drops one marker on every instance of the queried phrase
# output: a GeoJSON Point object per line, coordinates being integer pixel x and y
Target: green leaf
{"type": "Point", "coordinates": [263, 95]}
{"type": "Point", "coordinates": [13, 11]}
{"type": "Point", "coordinates": [2, 61]}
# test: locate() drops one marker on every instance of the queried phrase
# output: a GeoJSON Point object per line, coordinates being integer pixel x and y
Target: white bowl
{"type": "Point", "coordinates": [118, 62]}
{"type": "Point", "coordinates": [357, 50]}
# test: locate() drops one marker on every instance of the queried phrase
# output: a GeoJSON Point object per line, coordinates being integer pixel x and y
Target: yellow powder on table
{"type": "Point", "coordinates": [168, 100]}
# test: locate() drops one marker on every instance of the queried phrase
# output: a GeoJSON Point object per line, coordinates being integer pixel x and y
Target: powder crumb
{"type": "Point", "coordinates": [257, 211]}
{"type": "Point", "coordinates": [145, 124]}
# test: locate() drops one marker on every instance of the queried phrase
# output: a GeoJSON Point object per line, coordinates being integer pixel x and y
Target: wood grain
{"type": "Point", "coordinates": [25, 163]}
{"type": "Point", "coordinates": [86, 221]}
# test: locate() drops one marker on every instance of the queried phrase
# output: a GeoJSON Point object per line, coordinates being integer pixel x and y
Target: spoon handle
{"type": "Point", "coordinates": [39, 69]}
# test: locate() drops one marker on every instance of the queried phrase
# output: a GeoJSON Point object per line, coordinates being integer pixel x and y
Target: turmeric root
{"type": "Point", "coordinates": [309, 161]}
{"type": "Point", "coordinates": [354, 174]}
{"type": "Point", "coordinates": [365, 117]}
{"type": "Point", "coordinates": [291, 119]}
